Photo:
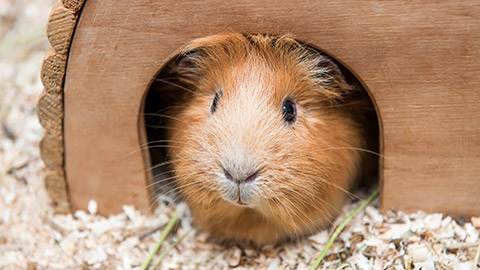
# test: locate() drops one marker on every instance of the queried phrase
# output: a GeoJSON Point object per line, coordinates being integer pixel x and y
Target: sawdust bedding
{"type": "Point", "coordinates": [33, 237]}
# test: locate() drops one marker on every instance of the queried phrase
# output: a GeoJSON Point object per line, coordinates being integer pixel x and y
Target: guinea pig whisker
{"type": "Point", "coordinates": [165, 116]}
{"type": "Point", "coordinates": [186, 185]}
{"type": "Point", "coordinates": [199, 198]}
{"type": "Point", "coordinates": [174, 84]}
{"type": "Point", "coordinates": [166, 108]}
{"type": "Point", "coordinates": [159, 141]}
{"type": "Point", "coordinates": [361, 150]}
{"type": "Point", "coordinates": [324, 211]}
{"type": "Point", "coordinates": [324, 204]}
{"type": "Point", "coordinates": [159, 165]}
{"type": "Point", "coordinates": [287, 209]}
{"type": "Point", "coordinates": [290, 209]}
{"type": "Point", "coordinates": [151, 185]}
{"type": "Point", "coordinates": [202, 197]}
{"type": "Point", "coordinates": [187, 158]}
{"type": "Point", "coordinates": [344, 104]}
{"type": "Point", "coordinates": [168, 78]}
{"type": "Point", "coordinates": [164, 163]}
{"type": "Point", "coordinates": [304, 199]}
{"type": "Point", "coordinates": [153, 182]}
{"type": "Point", "coordinates": [314, 179]}
{"type": "Point", "coordinates": [275, 224]}
{"type": "Point", "coordinates": [148, 144]}
{"type": "Point", "coordinates": [144, 148]}
{"type": "Point", "coordinates": [161, 127]}
{"type": "Point", "coordinates": [172, 195]}
{"type": "Point", "coordinates": [166, 179]}
{"type": "Point", "coordinates": [297, 209]}
{"type": "Point", "coordinates": [157, 146]}
{"type": "Point", "coordinates": [272, 205]}
{"type": "Point", "coordinates": [310, 224]}
{"type": "Point", "coordinates": [278, 203]}
{"type": "Point", "coordinates": [307, 197]}
{"type": "Point", "coordinates": [169, 197]}
{"type": "Point", "coordinates": [156, 183]}
{"type": "Point", "coordinates": [311, 177]}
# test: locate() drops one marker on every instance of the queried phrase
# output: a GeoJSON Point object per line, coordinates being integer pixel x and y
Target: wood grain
{"type": "Point", "coordinates": [50, 105]}
{"type": "Point", "coordinates": [61, 24]}
{"type": "Point", "coordinates": [73, 5]}
{"type": "Point", "coordinates": [51, 150]}
{"type": "Point", "coordinates": [50, 113]}
{"type": "Point", "coordinates": [53, 72]}
{"type": "Point", "coordinates": [418, 60]}
{"type": "Point", "coordinates": [57, 191]}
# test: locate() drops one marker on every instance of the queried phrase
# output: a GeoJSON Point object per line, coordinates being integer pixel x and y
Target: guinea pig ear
{"type": "Point", "coordinates": [326, 67]}
{"type": "Point", "coordinates": [186, 63]}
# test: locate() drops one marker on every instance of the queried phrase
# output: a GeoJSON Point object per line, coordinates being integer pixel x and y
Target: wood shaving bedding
{"type": "Point", "coordinates": [32, 237]}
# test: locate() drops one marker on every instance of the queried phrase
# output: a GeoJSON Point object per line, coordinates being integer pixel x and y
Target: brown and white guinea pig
{"type": "Point", "coordinates": [265, 143]}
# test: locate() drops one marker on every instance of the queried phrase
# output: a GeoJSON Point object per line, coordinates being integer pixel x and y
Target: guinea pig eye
{"type": "Point", "coordinates": [289, 111]}
{"type": "Point", "coordinates": [213, 108]}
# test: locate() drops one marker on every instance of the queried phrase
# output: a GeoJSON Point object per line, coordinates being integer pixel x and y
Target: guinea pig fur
{"type": "Point", "coordinates": [264, 143]}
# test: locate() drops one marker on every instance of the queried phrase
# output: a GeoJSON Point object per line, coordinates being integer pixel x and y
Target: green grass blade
{"type": "Point", "coordinates": [341, 226]}
{"type": "Point", "coordinates": [165, 232]}
{"type": "Point", "coordinates": [166, 251]}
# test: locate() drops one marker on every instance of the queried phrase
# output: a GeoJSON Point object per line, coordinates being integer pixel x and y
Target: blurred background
{"type": "Point", "coordinates": [23, 45]}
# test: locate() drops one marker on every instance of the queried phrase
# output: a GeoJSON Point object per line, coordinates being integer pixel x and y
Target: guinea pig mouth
{"type": "Point", "coordinates": [240, 194]}
{"type": "Point", "coordinates": [239, 200]}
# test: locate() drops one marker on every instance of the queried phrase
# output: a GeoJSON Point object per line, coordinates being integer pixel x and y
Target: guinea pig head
{"type": "Point", "coordinates": [261, 145]}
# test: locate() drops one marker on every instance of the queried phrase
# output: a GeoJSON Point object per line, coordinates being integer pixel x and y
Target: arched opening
{"type": "Point", "coordinates": [166, 92]}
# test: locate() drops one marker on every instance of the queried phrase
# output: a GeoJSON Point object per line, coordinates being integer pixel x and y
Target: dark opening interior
{"type": "Point", "coordinates": [166, 91]}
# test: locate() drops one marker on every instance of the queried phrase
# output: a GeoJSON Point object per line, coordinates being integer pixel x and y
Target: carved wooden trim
{"type": "Point", "coordinates": [73, 5]}
{"type": "Point", "coordinates": [60, 28]}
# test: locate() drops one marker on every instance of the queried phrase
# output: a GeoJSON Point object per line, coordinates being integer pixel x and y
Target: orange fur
{"type": "Point", "coordinates": [305, 169]}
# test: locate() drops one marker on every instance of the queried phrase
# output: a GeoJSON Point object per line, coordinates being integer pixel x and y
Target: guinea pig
{"type": "Point", "coordinates": [266, 141]}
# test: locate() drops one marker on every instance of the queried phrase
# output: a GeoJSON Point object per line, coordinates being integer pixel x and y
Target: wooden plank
{"type": "Point", "coordinates": [419, 60]}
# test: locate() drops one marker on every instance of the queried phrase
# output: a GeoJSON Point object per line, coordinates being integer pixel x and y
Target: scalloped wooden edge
{"type": "Point", "coordinates": [60, 27]}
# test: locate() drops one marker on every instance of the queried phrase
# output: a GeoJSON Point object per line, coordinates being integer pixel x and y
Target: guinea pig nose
{"type": "Point", "coordinates": [239, 180]}
{"type": "Point", "coordinates": [228, 175]}
{"type": "Point", "coordinates": [251, 177]}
